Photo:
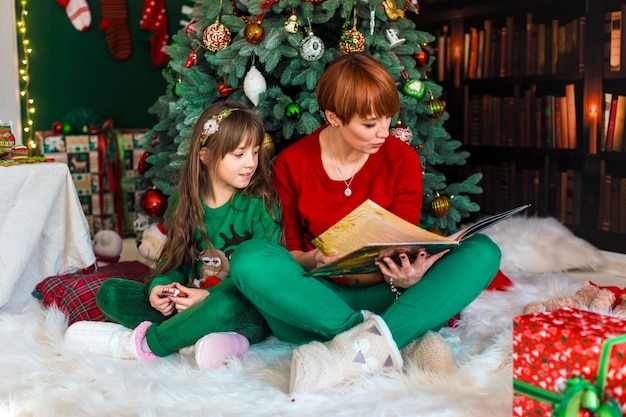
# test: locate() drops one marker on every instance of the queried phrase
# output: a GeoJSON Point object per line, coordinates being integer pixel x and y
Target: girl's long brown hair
{"type": "Point", "coordinates": [181, 225]}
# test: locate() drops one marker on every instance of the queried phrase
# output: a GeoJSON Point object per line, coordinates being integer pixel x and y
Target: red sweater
{"type": "Point", "coordinates": [312, 202]}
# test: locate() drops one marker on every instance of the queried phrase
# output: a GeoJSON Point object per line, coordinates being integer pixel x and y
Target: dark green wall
{"type": "Point", "coordinates": [71, 69]}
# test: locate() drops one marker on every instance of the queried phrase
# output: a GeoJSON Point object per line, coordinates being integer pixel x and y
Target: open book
{"type": "Point", "coordinates": [370, 232]}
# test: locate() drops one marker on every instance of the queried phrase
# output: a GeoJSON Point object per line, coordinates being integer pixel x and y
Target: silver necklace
{"type": "Point", "coordinates": [348, 191]}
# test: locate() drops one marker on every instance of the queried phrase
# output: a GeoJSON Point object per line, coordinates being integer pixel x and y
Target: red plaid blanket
{"type": "Point", "coordinates": [75, 294]}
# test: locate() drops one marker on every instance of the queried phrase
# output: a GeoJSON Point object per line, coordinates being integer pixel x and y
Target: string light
{"type": "Point", "coordinates": [29, 103]}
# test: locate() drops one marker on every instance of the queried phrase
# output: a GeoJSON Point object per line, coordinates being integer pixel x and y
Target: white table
{"type": "Point", "coordinates": [43, 229]}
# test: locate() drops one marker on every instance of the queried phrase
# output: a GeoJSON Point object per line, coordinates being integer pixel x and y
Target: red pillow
{"type": "Point", "coordinates": [75, 294]}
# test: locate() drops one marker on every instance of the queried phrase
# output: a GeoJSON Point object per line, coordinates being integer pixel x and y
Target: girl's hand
{"type": "Point", "coordinates": [164, 305]}
{"type": "Point", "coordinates": [408, 274]}
{"type": "Point", "coordinates": [194, 296]}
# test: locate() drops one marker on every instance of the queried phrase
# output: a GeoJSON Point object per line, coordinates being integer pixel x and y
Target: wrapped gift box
{"type": "Point", "coordinates": [90, 159]}
{"type": "Point", "coordinates": [566, 358]}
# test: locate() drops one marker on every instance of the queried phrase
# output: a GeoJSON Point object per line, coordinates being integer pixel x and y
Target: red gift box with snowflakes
{"type": "Point", "coordinates": [567, 362]}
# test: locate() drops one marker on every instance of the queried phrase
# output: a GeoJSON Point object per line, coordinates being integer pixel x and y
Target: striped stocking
{"type": "Point", "coordinates": [78, 13]}
{"type": "Point", "coordinates": [115, 26]}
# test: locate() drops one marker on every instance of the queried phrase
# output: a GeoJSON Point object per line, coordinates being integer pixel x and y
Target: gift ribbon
{"type": "Point", "coordinates": [579, 394]}
{"type": "Point", "coordinates": [109, 161]}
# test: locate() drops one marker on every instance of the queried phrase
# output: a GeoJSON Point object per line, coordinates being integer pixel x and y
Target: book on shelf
{"type": "Point", "coordinates": [610, 133]}
{"type": "Point", "coordinates": [570, 98]}
{"type": "Point", "coordinates": [616, 41]}
{"type": "Point", "coordinates": [370, 232]}
{"type": "Point", "coordinates": [606, 113]}
{"type": "Point", "coordinates": [618, 133]}
{"type": "Point", "coordinates": [486, 64]}
{"type": "Point", "coordinates": [473, 54]}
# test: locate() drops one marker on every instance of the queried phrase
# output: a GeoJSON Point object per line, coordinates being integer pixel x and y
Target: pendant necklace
{"type": "Point", "coordinates": [348, 191]}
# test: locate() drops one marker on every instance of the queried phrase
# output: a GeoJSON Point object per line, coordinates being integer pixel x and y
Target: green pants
{"type": "Point", "coordinates": [224, 310]}
{"type": "Point", "coordinates": [300, 308]}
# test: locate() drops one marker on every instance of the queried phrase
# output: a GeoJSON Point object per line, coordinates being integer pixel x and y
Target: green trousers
{"type": "Point", "coordinates": [224, 310]}
{"type": "Point", "coordinates": [300, 308]}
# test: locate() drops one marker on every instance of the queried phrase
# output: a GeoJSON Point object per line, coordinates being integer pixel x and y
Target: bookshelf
{"type": "Point", "coordinates": [536, 92]}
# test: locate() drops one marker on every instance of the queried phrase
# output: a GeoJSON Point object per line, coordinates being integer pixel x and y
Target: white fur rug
{"type": "Point", "coordinates": [40, 376]}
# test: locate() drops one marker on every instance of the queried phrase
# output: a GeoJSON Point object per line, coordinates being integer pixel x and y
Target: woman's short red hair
{"type": "Point", "coordinates": [357, 84]}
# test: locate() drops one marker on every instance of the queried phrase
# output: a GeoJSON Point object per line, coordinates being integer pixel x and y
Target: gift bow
{"type": "Point", "coordinates": [580, 394]}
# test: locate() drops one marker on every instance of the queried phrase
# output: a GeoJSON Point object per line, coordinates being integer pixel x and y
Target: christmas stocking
{"type": "Point", "coordinates": [78, 13]}
{"type": "Point", "coordinates": [115, 26]}
{"type": "Point", "coordinates": [186, 13]}
{"type": "Point", "coordinates": [154, 28]}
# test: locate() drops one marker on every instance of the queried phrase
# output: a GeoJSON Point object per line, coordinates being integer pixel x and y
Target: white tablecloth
{"type": "Point", "coordinates": [43, 230]}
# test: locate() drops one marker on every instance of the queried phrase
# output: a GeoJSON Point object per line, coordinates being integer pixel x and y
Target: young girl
{"type": "Point", "coordinates": [225, 196]}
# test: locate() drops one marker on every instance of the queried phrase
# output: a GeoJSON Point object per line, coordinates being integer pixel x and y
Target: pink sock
{"type": "Point", "coordinates": [215, 348]}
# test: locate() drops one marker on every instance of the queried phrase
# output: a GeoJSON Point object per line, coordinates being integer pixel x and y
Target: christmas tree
{"type": "Point", "coordinates": [271, 53]}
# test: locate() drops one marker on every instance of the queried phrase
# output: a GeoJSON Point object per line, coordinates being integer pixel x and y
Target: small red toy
{"type": "Point", "coordinates": [173, 292]}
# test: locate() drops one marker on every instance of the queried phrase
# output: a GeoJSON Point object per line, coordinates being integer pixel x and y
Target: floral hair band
{"type": "Point", "coordinates": [213, 124]}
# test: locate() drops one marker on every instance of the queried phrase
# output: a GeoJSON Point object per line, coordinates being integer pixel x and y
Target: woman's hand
{"type": "Point", "coordinates": [407, 274]}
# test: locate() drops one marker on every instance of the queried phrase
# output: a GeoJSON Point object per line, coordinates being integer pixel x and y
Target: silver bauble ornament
{"type": "Point", "coordinates": [311, 47]}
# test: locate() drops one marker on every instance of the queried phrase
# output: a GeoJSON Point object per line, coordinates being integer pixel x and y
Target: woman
{"type": "Point", "coordinates": [320, 179]}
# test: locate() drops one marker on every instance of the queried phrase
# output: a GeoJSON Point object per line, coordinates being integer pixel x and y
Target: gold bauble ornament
{"type": "Point", "coordinates": [268, 145]}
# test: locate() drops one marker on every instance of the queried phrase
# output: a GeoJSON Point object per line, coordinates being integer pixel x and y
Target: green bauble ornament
{"type": "Point", "coordinates": [293, 111]}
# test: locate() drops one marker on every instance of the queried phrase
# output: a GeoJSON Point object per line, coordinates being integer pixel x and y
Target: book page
{"type": "Point", "coordinates": [370, 223]}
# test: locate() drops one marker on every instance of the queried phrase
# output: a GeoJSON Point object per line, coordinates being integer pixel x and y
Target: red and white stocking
{"type": "Point", "coordinates": [78, 12]}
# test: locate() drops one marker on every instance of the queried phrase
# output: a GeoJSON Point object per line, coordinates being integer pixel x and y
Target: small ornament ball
{"type": "Point", "coordinates": [268, 145]}
{"type": "Point", "coordinates": [436, 107]}
{"type": "Point", "coordinates": [352, 41]}
{"type": "Point", "coordinates": [293, 111]}
{"type": "Point", "coordinates": [154, 202]}
{"type": "Point", "coordinates": [440, 206]}
{"type": "Point", "coordinates": [254, 32]}
{"type": "Point", "coordinates": [422, 58]}
{"type": "Point", "coordinates": [216, 37]}
{"type": "Point", "coordinates": [311, 47]}
{"type": "Point", "coordinates": [67, 128]}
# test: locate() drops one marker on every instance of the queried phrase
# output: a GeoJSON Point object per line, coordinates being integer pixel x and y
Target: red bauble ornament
{"type": "Point", "coordinates": [216, 37]}
{"type": "Point", "coordinates": [254, 32]}
{"type": "Point", "coordinates": [154, 202]}
{"type": "Point", "coordinates": [352, 41]}
{"type": "Point", "coordinates": [440, 206]}
{"type": "Point", "coordinates": [57, 127]}
{"type": "Point", "coordinates": [422, 58]}
{"type": "Point", "coordinates": [143, 165]}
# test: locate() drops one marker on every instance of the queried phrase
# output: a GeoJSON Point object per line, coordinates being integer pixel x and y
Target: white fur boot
{"type": "Point", "coordinates": [365, 348]}
{"type": "Point", "coordinates": [110, 339]}
{"type": "Point", "coordinates": [430, 352]}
